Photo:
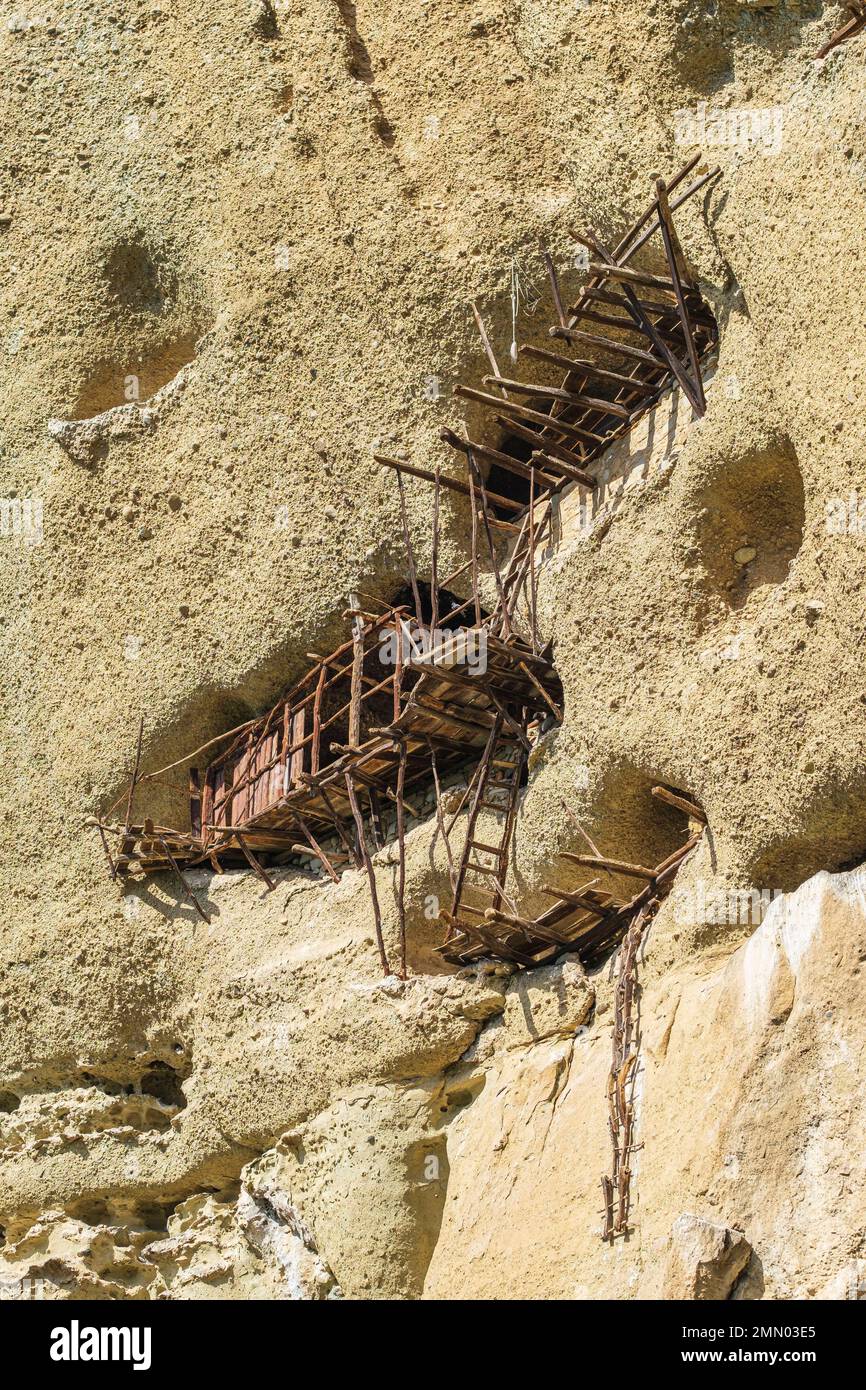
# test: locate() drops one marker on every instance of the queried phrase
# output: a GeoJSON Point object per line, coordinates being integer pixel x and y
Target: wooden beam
{"type": "Point", "coordinates": [613, 866]}
{"type": "Point", "coordinates": [451, 483]}
{"type": "Point", "coordinates": [682, 803]}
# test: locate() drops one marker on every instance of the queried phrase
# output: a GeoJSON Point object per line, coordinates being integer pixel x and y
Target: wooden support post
{"type": "Point", "coordinates": [188, 893]}
{"type": "Point", "coordinates": [111, 864]}
{"type": "Point", "coordinates": [315, 750]}
{"type": "Point", "coordinates": [486, 344]}
{"type": "Point", "coordinates": [315, 847]}
{"type": "Point", "coordinates": [410, 554]}
{"type": "Point", "coordinates": [434, 577]}
{"type": "Point", "coordinates": [554, 286]}
{"type": "Point", "coordinates": [401, 867]}
{"type": "Point", "coordinates": [533, 578]}
{"type": "Point", "coordinates": [551, 703]}
{"type": "Point", "coordinates": [376, 817]}
{"type": "Point", "coordinates": [357, 676]}
{"type": "Point", "coordinates": [647, 327]}
{"type": "Point", "coordinates": [195, 807]}
{"type": "Point", "coordinates": [679, 274]}
{"type": "Point", "coordinates": [398, 667]}
{"type": "Point", "coordinates": [371, 876]}
{"type": "Point", "coordinates": [296, 767]}
{"type": "Point", "coordinates": [473, 505]}
{"type": "Point", "coordinates": [253, 862]}
{"type": "Point", "coordinates": [338, 826]}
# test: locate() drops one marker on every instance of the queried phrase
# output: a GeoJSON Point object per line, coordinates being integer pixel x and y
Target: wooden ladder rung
{"type": "Point", "coordinates": [489, 849]}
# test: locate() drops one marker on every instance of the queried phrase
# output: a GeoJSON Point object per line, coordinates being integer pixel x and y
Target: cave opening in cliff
{"type": "Point", "coordinates": [419, 693]}
{"type": "Point", "coordinates": [506, 482]}
{"type": "Point", "coordinates": [751, 516]}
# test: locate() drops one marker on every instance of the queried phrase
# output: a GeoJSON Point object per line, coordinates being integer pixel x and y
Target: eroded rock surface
{"type": "Point", "coordinates": [237, 248]}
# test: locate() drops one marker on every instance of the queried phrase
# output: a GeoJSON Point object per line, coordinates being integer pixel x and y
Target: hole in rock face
{"type": "Point", "coordinates": [163, 1083]}
{"type": "Point", "coordinates": [151, 319]}
{"type": "Point", "coordinates": [265, 23]}
{"type": "Point", "coordinates": [630, 824]}
{"type": "Point", "coordinates": [503, 483]}
{"type": "Point", "coordinates": [750, 523]}
{"type": "Point", "coordinates": [446, 603]}
{"type": "Point", "coordinates": [8, 1102]}
{"type": "Point", "coordinates": [139, 281]}
{"type": "Point", "coordinates": [824, 829]}
{"type": "Point", "coordinates": [119, 383]}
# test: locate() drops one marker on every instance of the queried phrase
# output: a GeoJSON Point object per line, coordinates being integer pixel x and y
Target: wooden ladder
{"type": "Point", "coordinates": [499, 774]}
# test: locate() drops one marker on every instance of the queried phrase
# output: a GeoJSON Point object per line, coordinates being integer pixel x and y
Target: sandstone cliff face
{"type": "Point", "coordinates": [236, 252]}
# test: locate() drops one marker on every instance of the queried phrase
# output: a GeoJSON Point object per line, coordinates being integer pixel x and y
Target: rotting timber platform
{"type": "Point", "coordinates": [345, 749]}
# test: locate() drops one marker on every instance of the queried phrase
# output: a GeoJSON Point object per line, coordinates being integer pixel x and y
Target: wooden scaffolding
{"type": "Point", "coordinates": [658, 332]}
{"type": "Point", "coordinates": [438, 684]}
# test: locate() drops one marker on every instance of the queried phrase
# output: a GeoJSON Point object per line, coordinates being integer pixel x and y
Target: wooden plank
{"type": "Point", "coordinates": [632, 277]}
{"type": "Point", "coordinates": [613, 866]}
{"type": "Point", "coordinates": [589, 369]}
{"type": "Point", "coordinates": [451, 483]}
{"type": "Point", "coordinates": [609, 345]}
{"type": "Point", "coordinates": [558, 393]}
{"type": "Point", "coordinates": [299, 725]}
{"type": "Point", "coordinates": [524, 413]}
{"type": "Point", "coordinates": [682, 803]}
{"type": "Point", "coordinates": [465, 446]}
{"type": "Point", "coordinates": [195, 803]}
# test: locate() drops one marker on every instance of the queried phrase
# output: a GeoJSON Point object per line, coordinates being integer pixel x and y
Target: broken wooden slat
{"type": "Point", "coordinates": [451, 483]}
{"type": "Point", "coordinates": [682, 803]}
{"type": "Point", "coordinates": [371, 876]}
{"type": "Point", "coordinates": [613, 866]}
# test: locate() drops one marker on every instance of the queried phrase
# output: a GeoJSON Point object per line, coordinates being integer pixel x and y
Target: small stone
{"type": "Point", "coordinates": [174, 502]}
{"type": "Point", "coordinates": [184, 610]}
{"type": "Point", "coordinates": [145, 533]}
{"type": "Point", "coordinates": [745, 555]}
{"type": "Point", "coordinates": [128, 513]}
{"type": "Point", "coordinates": [814, 609]}
{"type": "Point", "coordinates": [331, 513]}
